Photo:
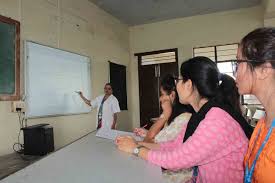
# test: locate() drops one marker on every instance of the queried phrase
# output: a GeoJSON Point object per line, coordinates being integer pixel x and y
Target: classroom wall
{"type": "Point", "coordinates": [77, 26]}
{"type": "Point", "coordinates": [81, 27]}
{"type": "Point", "coordinates": [269, 13]}
{"type": "Point", "coordinates": [269, 22]}
{"type": "Point", "coordinates": [186, 33]}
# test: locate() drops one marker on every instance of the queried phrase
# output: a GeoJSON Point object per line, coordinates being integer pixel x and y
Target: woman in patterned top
{"type": "Point", "coordinates": [170, 106]}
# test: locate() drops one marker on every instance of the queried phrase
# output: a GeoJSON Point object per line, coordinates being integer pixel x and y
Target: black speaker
{"type": "Point", "coordinates": [38, 139]}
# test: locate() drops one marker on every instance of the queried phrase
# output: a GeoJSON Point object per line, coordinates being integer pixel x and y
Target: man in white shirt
{"type": "Point", "coordinates": [107, 108]}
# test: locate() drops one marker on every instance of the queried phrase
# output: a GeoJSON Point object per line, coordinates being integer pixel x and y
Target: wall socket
{"type": "Point", "coordinates": [17, 106]}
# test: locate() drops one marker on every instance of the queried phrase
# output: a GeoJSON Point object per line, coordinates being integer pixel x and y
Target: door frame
{"type": "Point", "coordinates": [139, 55]}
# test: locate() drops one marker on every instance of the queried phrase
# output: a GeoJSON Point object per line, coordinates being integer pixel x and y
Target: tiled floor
{"type": "Point", "coordinates": [14, 162]}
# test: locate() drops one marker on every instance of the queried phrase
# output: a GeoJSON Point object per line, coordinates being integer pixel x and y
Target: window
{"type": "Point", "coordinates": [159, 57]}
{"type": "Point", "coordinates": [222, 54]}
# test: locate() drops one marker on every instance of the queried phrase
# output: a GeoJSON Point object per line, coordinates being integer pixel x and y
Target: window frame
{"type": "Point", "coordinates": [140, 55]}
{"type": "Point", "coordinates": [16, 94]}
{"type": "Point", "coordinates": [224, 61]}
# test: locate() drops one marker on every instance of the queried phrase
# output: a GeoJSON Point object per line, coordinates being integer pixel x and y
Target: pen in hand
{"type": "Point", "coordinates": [144, 126]}
{"type": "Point", "coordinates": [78, 92]}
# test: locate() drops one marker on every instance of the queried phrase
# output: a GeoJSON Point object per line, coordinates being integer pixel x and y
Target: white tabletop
{"type": "Point", "coordinates": [88, 160]}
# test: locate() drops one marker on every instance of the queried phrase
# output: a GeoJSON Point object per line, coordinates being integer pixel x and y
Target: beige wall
{"type": "Point", "coordinates": [269, 12]}
{"type": "Point", "coordinates": [186, 33]}
{"type": "Point", "coordinates": [77, 26]}
{"type": "Point", "coordinates": [99, 35]}
{"type": "Point", "coordinates": [269, 22]}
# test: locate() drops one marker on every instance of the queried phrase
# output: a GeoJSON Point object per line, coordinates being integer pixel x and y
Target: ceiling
{"type": "Point", "coordinates": [136, 12]}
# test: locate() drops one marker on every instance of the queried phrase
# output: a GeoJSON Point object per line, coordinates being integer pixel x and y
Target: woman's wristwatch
{"type": "Point", "coordinates": [137, 150]}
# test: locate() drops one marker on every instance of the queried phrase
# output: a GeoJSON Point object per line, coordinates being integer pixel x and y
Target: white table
{"type": "Point", "coordinates": [88, 160]}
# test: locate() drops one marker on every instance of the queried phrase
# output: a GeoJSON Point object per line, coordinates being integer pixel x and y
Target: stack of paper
{"type": "Point", "coordinates": [112, 134]}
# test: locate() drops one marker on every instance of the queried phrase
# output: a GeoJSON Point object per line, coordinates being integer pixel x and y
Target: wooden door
{"type": "Point", "coordinates": [168, 68]}
{"type": "Point", "coordinates": [149, 81]}
{"type": "Point", "coordinates": [148, 93]}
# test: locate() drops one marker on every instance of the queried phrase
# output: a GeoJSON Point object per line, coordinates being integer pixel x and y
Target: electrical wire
{"type": "Point", "coordinates": [18, 147]}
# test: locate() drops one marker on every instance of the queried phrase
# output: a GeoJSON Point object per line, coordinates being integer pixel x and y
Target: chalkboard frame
{"type": "Point", "coordinates": [16, 94]}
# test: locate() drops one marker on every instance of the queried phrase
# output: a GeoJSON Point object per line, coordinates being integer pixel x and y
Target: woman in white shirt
{"type": "Point", "coordinates": [107, 108]}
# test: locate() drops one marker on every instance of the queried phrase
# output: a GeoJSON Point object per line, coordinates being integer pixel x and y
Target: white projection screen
{"type": "Point", "coordinates": [52, 77]}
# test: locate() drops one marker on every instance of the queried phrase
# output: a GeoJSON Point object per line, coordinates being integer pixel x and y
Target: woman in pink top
{"type": "Point", "coordinates": [216, 137]}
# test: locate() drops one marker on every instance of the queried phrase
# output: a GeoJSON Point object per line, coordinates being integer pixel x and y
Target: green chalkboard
{"type": "Point", "coordinates": [9, 59]}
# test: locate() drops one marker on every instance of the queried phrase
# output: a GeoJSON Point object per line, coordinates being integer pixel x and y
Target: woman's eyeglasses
{"type": "Point", "coordinates": [235, 64]}
{"type": "Point", "coordinates": [176, 79]}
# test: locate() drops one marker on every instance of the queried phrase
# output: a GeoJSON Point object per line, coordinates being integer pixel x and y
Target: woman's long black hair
{"type": "Point", "coordinates": [210, 83]}
{"type": "Point", "coordinates": [168, 85]}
